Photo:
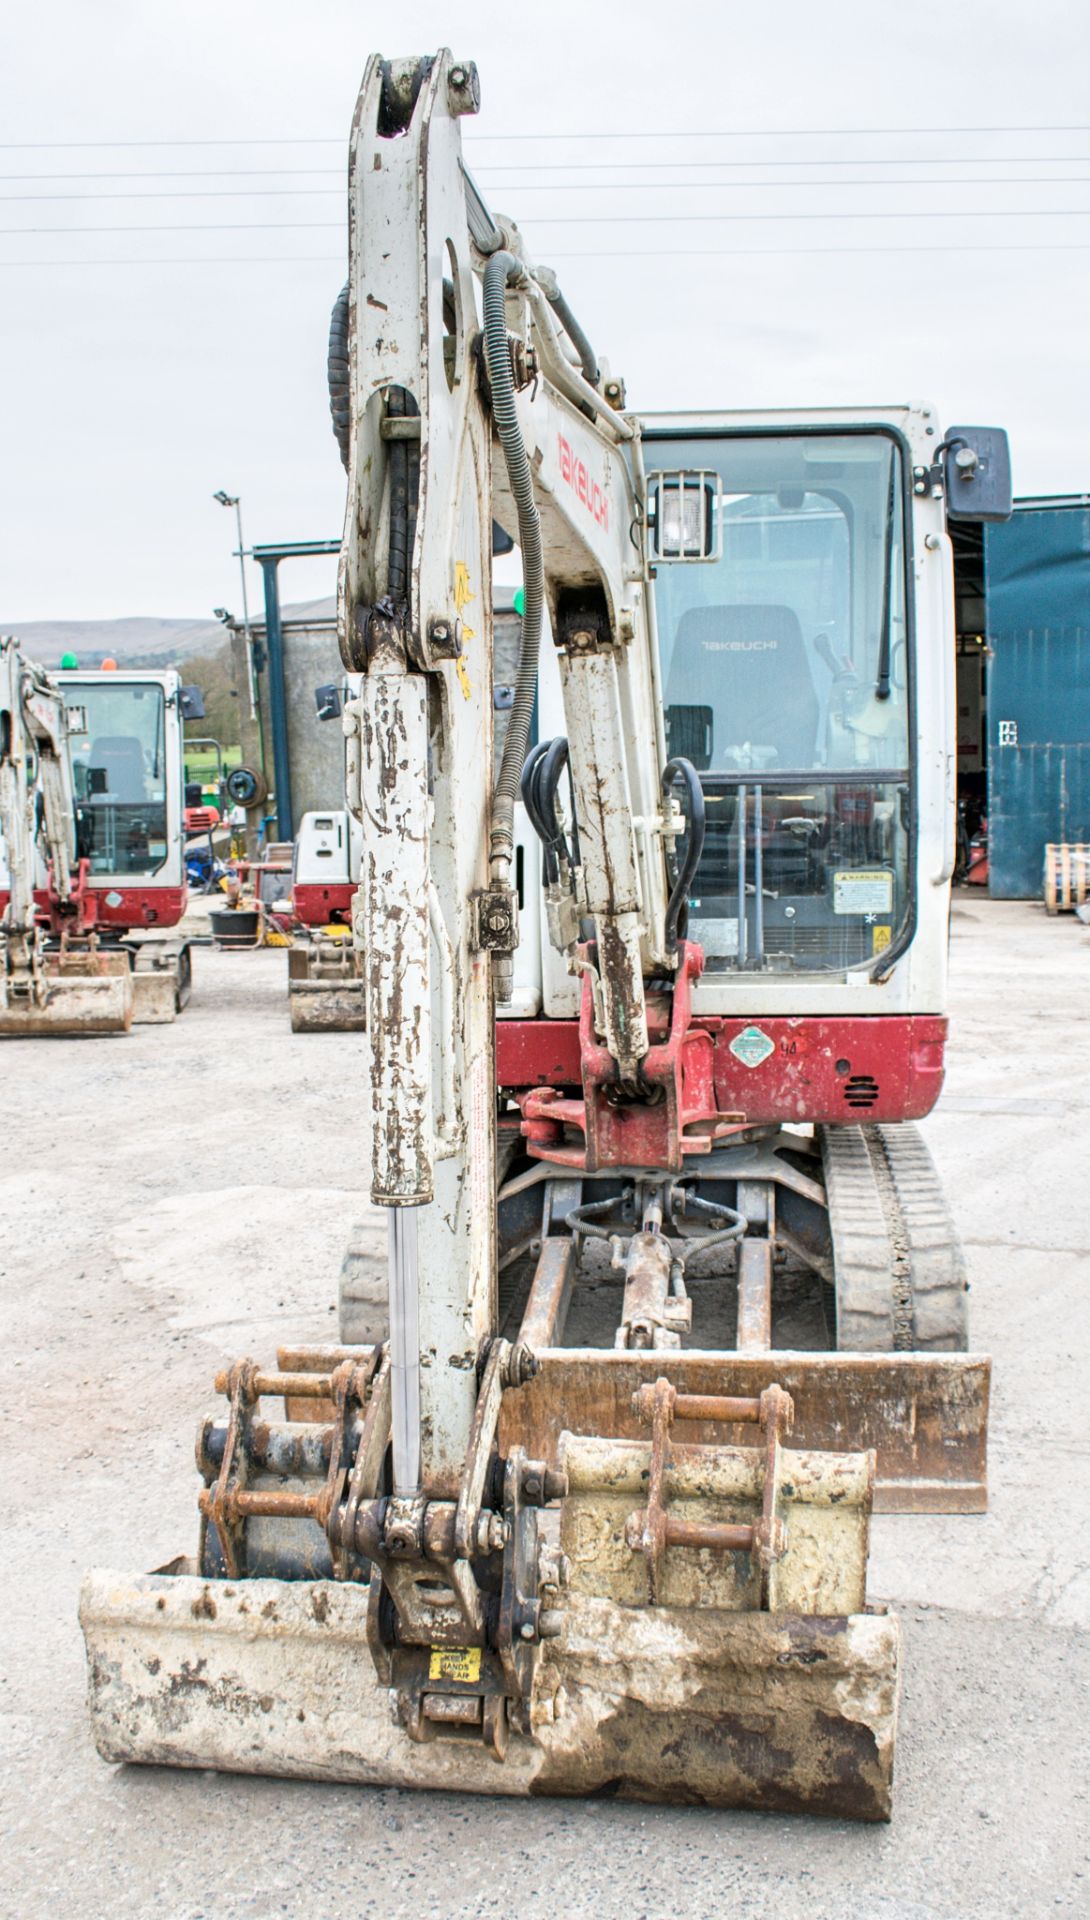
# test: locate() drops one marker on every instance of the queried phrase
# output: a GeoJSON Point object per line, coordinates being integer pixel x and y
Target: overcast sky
{"type": "Point", "coordinates": [131, 392]}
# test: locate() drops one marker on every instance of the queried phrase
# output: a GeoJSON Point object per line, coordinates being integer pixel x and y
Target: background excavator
{"type": "Point", "coordinates": [55, 977]}
{"type": "Point", "coordinates": [673, 1297]}
{"type": "Point", "coordinates": [91, 827]}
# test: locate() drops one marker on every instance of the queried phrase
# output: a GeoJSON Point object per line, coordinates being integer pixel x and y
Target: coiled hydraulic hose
{"type": "Point", "coordinates": [501, 270]}
{"type": "Point", "coordinates": [337, 373]}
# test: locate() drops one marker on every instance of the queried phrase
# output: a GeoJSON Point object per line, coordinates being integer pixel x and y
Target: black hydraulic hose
{"type": "Point", "coordinates": [501, 269]}
{"type": "Point", "coordinates": [540, 780]}
{"type": "Point", "coordinates": [677, 909]}
{"type": "Point", "coordinates": [528, 786]}
{"type": "Point", "coordinates": [550, 768]}
{"type": "Point", "coordinates": [575, 334]}
{"type": "Point", "coordinates": [337, 373]}
{"type": "Point", "coordinates": [531, 800]}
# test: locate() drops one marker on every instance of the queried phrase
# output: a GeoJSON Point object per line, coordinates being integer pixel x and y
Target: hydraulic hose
{"type": "Point", "coordinates": [337, 373]}
{"type": "Point", "coordinates": [575, 334]}
{"type": "Point", "coordinates": [500, 271]}
{"type": "Point", "coordinates": [677, 910]}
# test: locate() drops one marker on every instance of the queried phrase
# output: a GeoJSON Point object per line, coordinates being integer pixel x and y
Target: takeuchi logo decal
{"type": "Point", "coordinates": [574, 472]}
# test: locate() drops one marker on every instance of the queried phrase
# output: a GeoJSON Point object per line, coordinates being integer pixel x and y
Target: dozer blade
{"type": "Point", "coordinates": [327, 1006]}
{"type": "Point", "coordinates": [78, 995]}
{"type": "Point", "coordinates": [785, 1712]}
{"type": "Point", "coordinates": [162, 980]}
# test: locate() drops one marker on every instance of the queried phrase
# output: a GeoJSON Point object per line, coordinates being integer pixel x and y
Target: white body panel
{"type": "Point", "coordinates": [328, 848]}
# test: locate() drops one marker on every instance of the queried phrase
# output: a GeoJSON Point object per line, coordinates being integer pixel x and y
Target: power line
{"type": "Point", "coordinates": [624, 253]}
{"type": "Point", "coordinates": [582, 186]}
{"type": "Point", "coordinates": [579, 166]}
{"type": "Point", "coordinates": [597, 219]}
{"type": "Point", "coordinates": [681, 133]}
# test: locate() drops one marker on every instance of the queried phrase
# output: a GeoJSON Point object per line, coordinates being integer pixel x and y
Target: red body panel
{"type": "Point", "coordinates": [821, 1067]}
{"type": "Point", "coordinates": [314, 904]}
{"type": "Point", "coordinates": [143, 906]}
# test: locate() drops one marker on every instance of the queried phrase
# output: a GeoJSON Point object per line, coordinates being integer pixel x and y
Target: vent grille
{"type": "Point", "coordinates": [860, 1090]}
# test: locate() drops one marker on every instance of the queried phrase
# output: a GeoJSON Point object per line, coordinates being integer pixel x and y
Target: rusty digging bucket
{"type": "Point", "coordinates": [73, 994]}
{"type": "Point", "coordinates": [705, 1636]}
{"type": "Point", "coordinates": [326, 990]}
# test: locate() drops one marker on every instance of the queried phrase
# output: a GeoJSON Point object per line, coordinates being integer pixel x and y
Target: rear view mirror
{"type": "Point", "coordinates": [191, 703]}
{"type": "Point", "coordinates": [683, 516]}
{"type": "Point", "coordinates": [327, 701]}
{"type": "Point", "coordinates": [977, 474]}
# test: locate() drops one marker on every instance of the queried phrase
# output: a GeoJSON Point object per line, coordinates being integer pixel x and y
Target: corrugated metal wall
{"type": "Point", "coordinates": [1037, 584]}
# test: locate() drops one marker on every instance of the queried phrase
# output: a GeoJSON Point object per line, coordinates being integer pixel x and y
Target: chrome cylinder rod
{"type": "Point", "coordinates": [404, 1347]}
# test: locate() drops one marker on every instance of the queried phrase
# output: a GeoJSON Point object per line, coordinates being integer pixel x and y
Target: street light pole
{"type": "Point", "coordinates": [233, 500]}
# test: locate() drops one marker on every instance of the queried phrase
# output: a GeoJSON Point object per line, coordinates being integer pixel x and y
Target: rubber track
{"type": "Point", "coordinates": [900, 1271]}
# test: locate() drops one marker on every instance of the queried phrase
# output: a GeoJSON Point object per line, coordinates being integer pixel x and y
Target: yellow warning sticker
{"type": "Point", "coordinates": [463, 592]}
{"type": "Point", "coordinates": [455, 1663]}
{"type": "Point", "coordinates": [462, 671]}
{"type": "Point", "coordinates": [881, 937]}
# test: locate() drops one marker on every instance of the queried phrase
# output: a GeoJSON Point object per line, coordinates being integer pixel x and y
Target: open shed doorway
{"type": "Point", "coordinates": [971, 666]}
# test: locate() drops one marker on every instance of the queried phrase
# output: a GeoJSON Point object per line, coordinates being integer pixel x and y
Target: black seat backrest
{"type": "Point", "coordinates": [121, 757]}
{"type": "Point", "coordinates": [750, 665]}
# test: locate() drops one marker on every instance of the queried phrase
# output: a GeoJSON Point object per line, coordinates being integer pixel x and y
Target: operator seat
{"type": "Point", "coordinates": [121, 757]}
{"type": "Point", "coordinates": [747, 668]}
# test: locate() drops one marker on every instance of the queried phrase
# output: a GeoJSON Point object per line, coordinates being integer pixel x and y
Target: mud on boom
{"type": "Point", "coordinates": [674, 1300]}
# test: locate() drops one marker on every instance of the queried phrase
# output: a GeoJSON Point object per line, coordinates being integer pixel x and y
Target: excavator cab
{"type": "Point", "coordinates": [125, 735]}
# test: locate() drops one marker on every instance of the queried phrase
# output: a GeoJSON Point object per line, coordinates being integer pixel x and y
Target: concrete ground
{"type": "Point", "coordinates": [170, 1200]}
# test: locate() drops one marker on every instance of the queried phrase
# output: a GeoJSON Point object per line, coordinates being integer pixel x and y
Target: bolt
{"type": "Point", "coordinates": [527, 1630]}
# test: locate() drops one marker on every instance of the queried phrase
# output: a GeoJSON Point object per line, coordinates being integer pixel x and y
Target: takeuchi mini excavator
{"type": "Point", "coordinates": [55, 977]}
{"type": "Point", "coordinates": [674, 1298]}
{"type": "Point", "coordinates": [91, 826]}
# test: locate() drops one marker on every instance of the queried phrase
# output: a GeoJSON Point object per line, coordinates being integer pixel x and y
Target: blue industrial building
{"type": "Point", "coordinates": [1023, 670]}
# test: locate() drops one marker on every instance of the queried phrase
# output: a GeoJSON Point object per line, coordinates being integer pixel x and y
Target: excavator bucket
{"type": "Point", "coordinates": [72, 994]}
{"type": "Point", "coordinates": [326, 991]}
{"type": "Point", "coordinates": [703, 1634]}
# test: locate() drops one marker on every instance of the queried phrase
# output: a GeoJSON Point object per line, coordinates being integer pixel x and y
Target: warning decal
{"type": "Point", "coordinates": [751, 1046]}
{"type": "Point", "coordinates": [455, 1663]}
{"type": "Point", "coordinates": [863, 890]}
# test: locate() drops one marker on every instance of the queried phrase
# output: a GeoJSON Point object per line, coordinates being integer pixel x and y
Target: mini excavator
{"type": "Point", "coordinates": [92, 877]}
{"type": "Point", "coordinates": [674, 1299]}
{"type": "Point", "coordinates": [54, 976]}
